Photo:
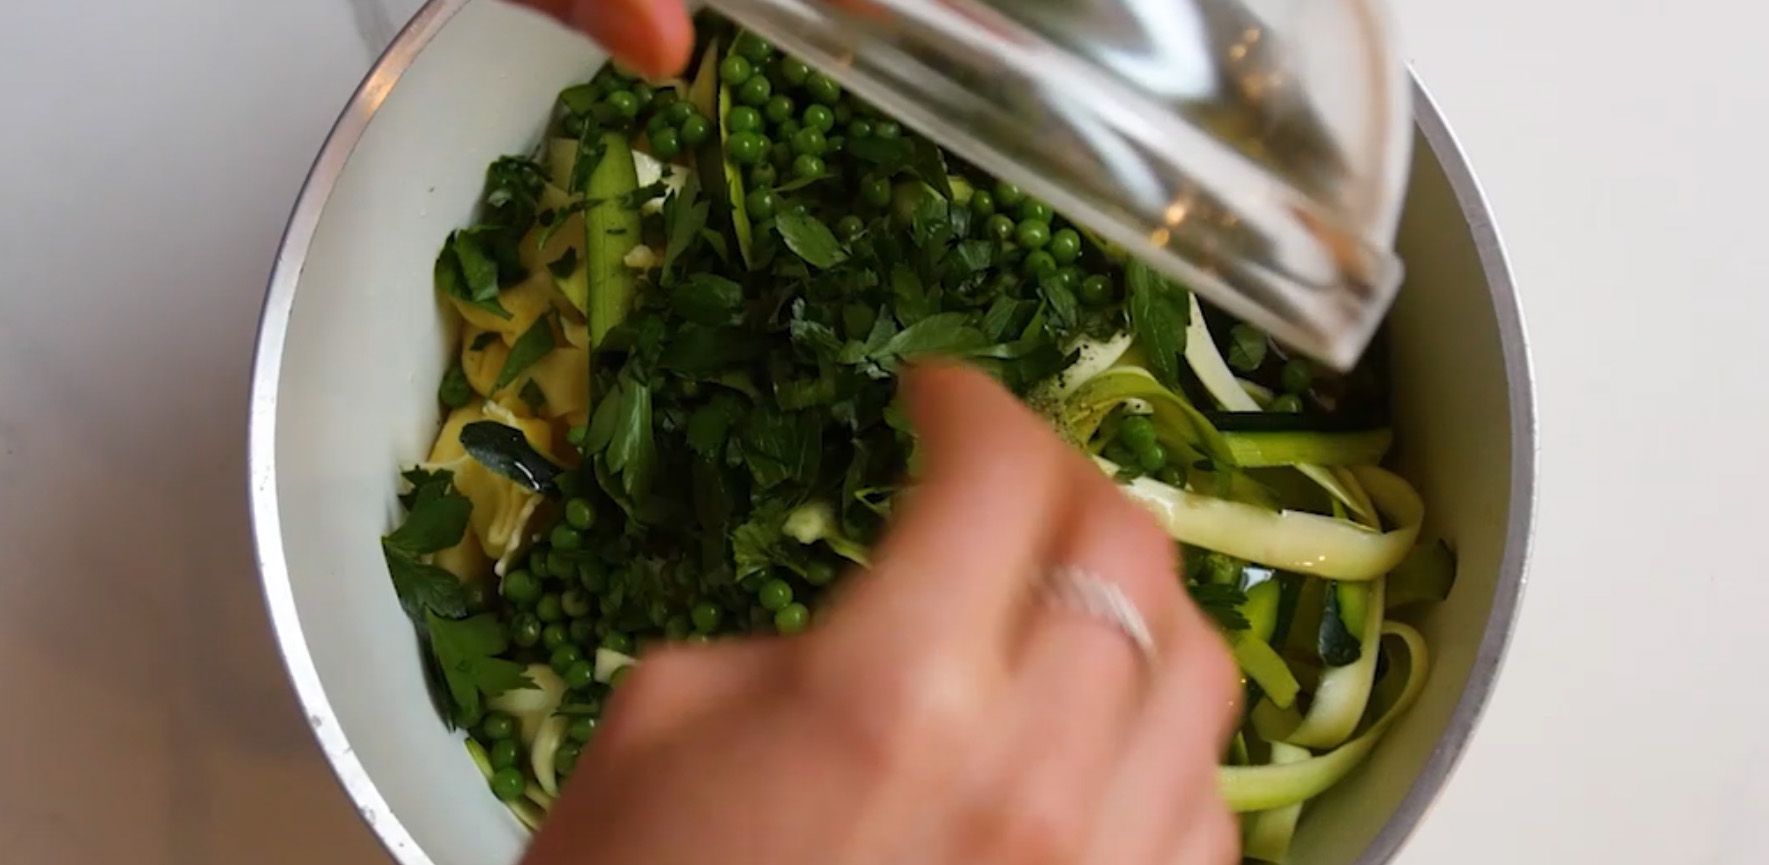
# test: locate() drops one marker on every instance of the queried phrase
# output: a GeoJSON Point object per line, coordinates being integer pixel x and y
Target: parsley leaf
{"type": "Point", "coordinates": [563, 266]}
{"type": "Point", "coordinates": [620, 432]}
{"type": "Point", "coordinates": [424, 587]}
{"type": "Point", "coordinates": [466, 651]}
{"type": "Point", "coordinates": [451, 278]}
{"type": "Point", "coordinates": [946, 333]}
{"type": "Point", "coordinates": [1159, 313]}
{"type": "Point", "coordinates": [530, 347]}
{"type": "Point", "coordinates": [707, 298]}
{"type": "Point", "coordinates": [809, 239]}
{"type": "Point", "coordinates": [436, 520]}
{"type": "Point", "coordinates": [782, 446]}
{"type": "Point", "coordinates": [1246, 347]}
{"type": "Point", "coordinates": [1221, 602]}
{"type": "Point", "coordinates": [684, 219]}
{"type": "Point", "coordinates": [454, 391]}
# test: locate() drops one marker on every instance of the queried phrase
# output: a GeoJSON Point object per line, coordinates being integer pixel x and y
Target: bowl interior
{"type": "Point", "coordinates": [344, 397]}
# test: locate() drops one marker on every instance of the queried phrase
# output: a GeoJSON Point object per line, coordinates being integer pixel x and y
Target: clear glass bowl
{"type": "Point", "coordinates": [1256, 151]}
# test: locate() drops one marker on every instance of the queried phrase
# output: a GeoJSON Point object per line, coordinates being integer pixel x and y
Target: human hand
{"type": "Point", "coordinates": [650, 37]}
{"type": "Point", "coordinates": [938, 713]}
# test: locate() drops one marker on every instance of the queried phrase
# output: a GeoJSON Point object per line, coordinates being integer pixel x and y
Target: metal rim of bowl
{"type": "Point", "coordinates": [273, 566]}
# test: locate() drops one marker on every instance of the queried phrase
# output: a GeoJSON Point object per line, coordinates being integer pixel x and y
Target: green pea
{"type": "Point", "coordinates": [753, 47]}
{"type": "Point", "coordinates": [525, 629]}
{"type": "Point", "coordinates": [507, 783]}
{"type": "Point", "coordinates": [677, 113]}
{"type": "Point", "coordinates": [764, 174]}
{"type": "Point", "coordinates": [1137, 432]}
{"type": "Point", "coordinates": [560, 566]}
{"type": "Point", "coordinates": [581, 729]}
{"type": "Point", "coordinates": [549, 608]}
{"type": "Point", "coordinates": [497, 725]}
{"type": "Point", "coordinates": [706, 616]}
{"type": "Point", "coordinates": [1096, 290]}
{"type": "Point", "coordinates": [658, 612]}
{"type": "Point", "coordinates": [1007, 194]}
{"type": "Point", "coordinates": [618, 642]}
{"type": "Point", "coordinates": [695, 130]}
{"type": "Point", "coordinates": [778, 109]}
{"type": "Point", "coordinates": [780, 153]}
{"type": "Point", "coordinates": [886, 129]}
{"type": "Point", "coordinates": [504, 753]}
{"type": "Point", "coordinates": [875, 190]}
{"type": "Point", "coordinates": [623, 103]}
{"type": "Point", "coordinates": [755, 91]}
{"type": "Point", "coordinates": [1288, 402]}
{"type": "Point", "coordinates": [564, 537]}
{"type": "Point", "coordinates": [860, 129]}
{"type": "Point", "coordinates": [1065, 245]}
{"type": "Point", "coordinates": [1039, 263]}
{"type": "Point", "coordinates": [554, 635]}
{"type": "Point", "coordinates": [1120, 453]}
{"type": "Point", "coordinates": [573, 124]}
{"type": "Point", "coordinates": [998, 227]}
{"type": "Point", "coordinates": [849, 227]}
{"type": "Point", "coordinates": [537, 561]}
{"type": "Point", "coordinates": [786, 129]}
{"type": "Point", "coordinates": [1152, 458]}
{"type": "Point", "coordinates": [823, 88]}
{"type": "Point", "coordinates": [794, 70]}
{"type": "Point", "coordinates": [774, 595]}
{"type": "Point", "coordinates": [819, 573]}
{"type": "Point", "coordinates": [566, 757]}
{"type": "Point", "coordinates": [792, 619]}
{"type": "Point", "coordinates": [982, 203]}
{"type": "Point", "coordinates": [666, 144]}
{"type": "Point", "coordinates": [746, 148]}
{"type": "Point", "coordinates": [677, 628]}
{"type": "Point", "coordinates": [645, 94]}
{"type": "Point", "coordinates": [575, 603]}
{"type": "Point", "coordinates": [819, 117]}
{"type": "Point", "coordinates": [809, 141]}
{"type": "Point", "coordinates": [567, 482]}
{"type": "Point", "coordinates": [521, 588]}
{"type": "Point", "coordinates": [1032, 234]}
{"type": "Point", "coordinates": [807, 165]}
{"type": "Point", "coordinates": [760, 202]}
{"type": "Point", "coordinates": [579, 514]}
{"type": "Point", "coordinates": [1032, 208]}
{"type": "Point", "coordinates": [1068, 276]}
{"type": "Point", "coordinates": [743, 118]}
{"type": "Point", "coordinates": [582, 631]}
{"type": "Point", "coordinates": [735, 70]}
{"type": "Point", "coordinates": [579, 675]}
{"type": "Point", "coordinates": [563, 657]}
{"type": "Point", "coordinates": [1298, 374]}
{"type": "Point", "coordinates": [619, 675]}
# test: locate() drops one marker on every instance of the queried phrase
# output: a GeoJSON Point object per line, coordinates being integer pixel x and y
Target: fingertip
{"type": "Point", "coordinates": [653, 38]}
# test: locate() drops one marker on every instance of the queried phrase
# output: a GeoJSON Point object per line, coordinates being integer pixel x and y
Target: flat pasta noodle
{"type": "Point", "coordinates": [1262, 788]}
{"type": "Point", "coordinates": [1295, 541]}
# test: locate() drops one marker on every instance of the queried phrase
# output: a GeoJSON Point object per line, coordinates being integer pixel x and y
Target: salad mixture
{"type": "Point", "coordinates": [672, 416]}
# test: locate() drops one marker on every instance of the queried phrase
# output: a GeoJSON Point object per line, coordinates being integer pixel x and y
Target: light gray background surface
{"type": "Point", "coordinates": [150, 152]}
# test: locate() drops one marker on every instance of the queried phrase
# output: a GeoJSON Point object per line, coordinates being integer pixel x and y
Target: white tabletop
{"type": "Point", "coordinates": [151, 152]}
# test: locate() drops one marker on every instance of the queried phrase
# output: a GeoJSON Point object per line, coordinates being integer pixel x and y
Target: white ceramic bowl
{"type": "Point", "coordinates": [353, 341]}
